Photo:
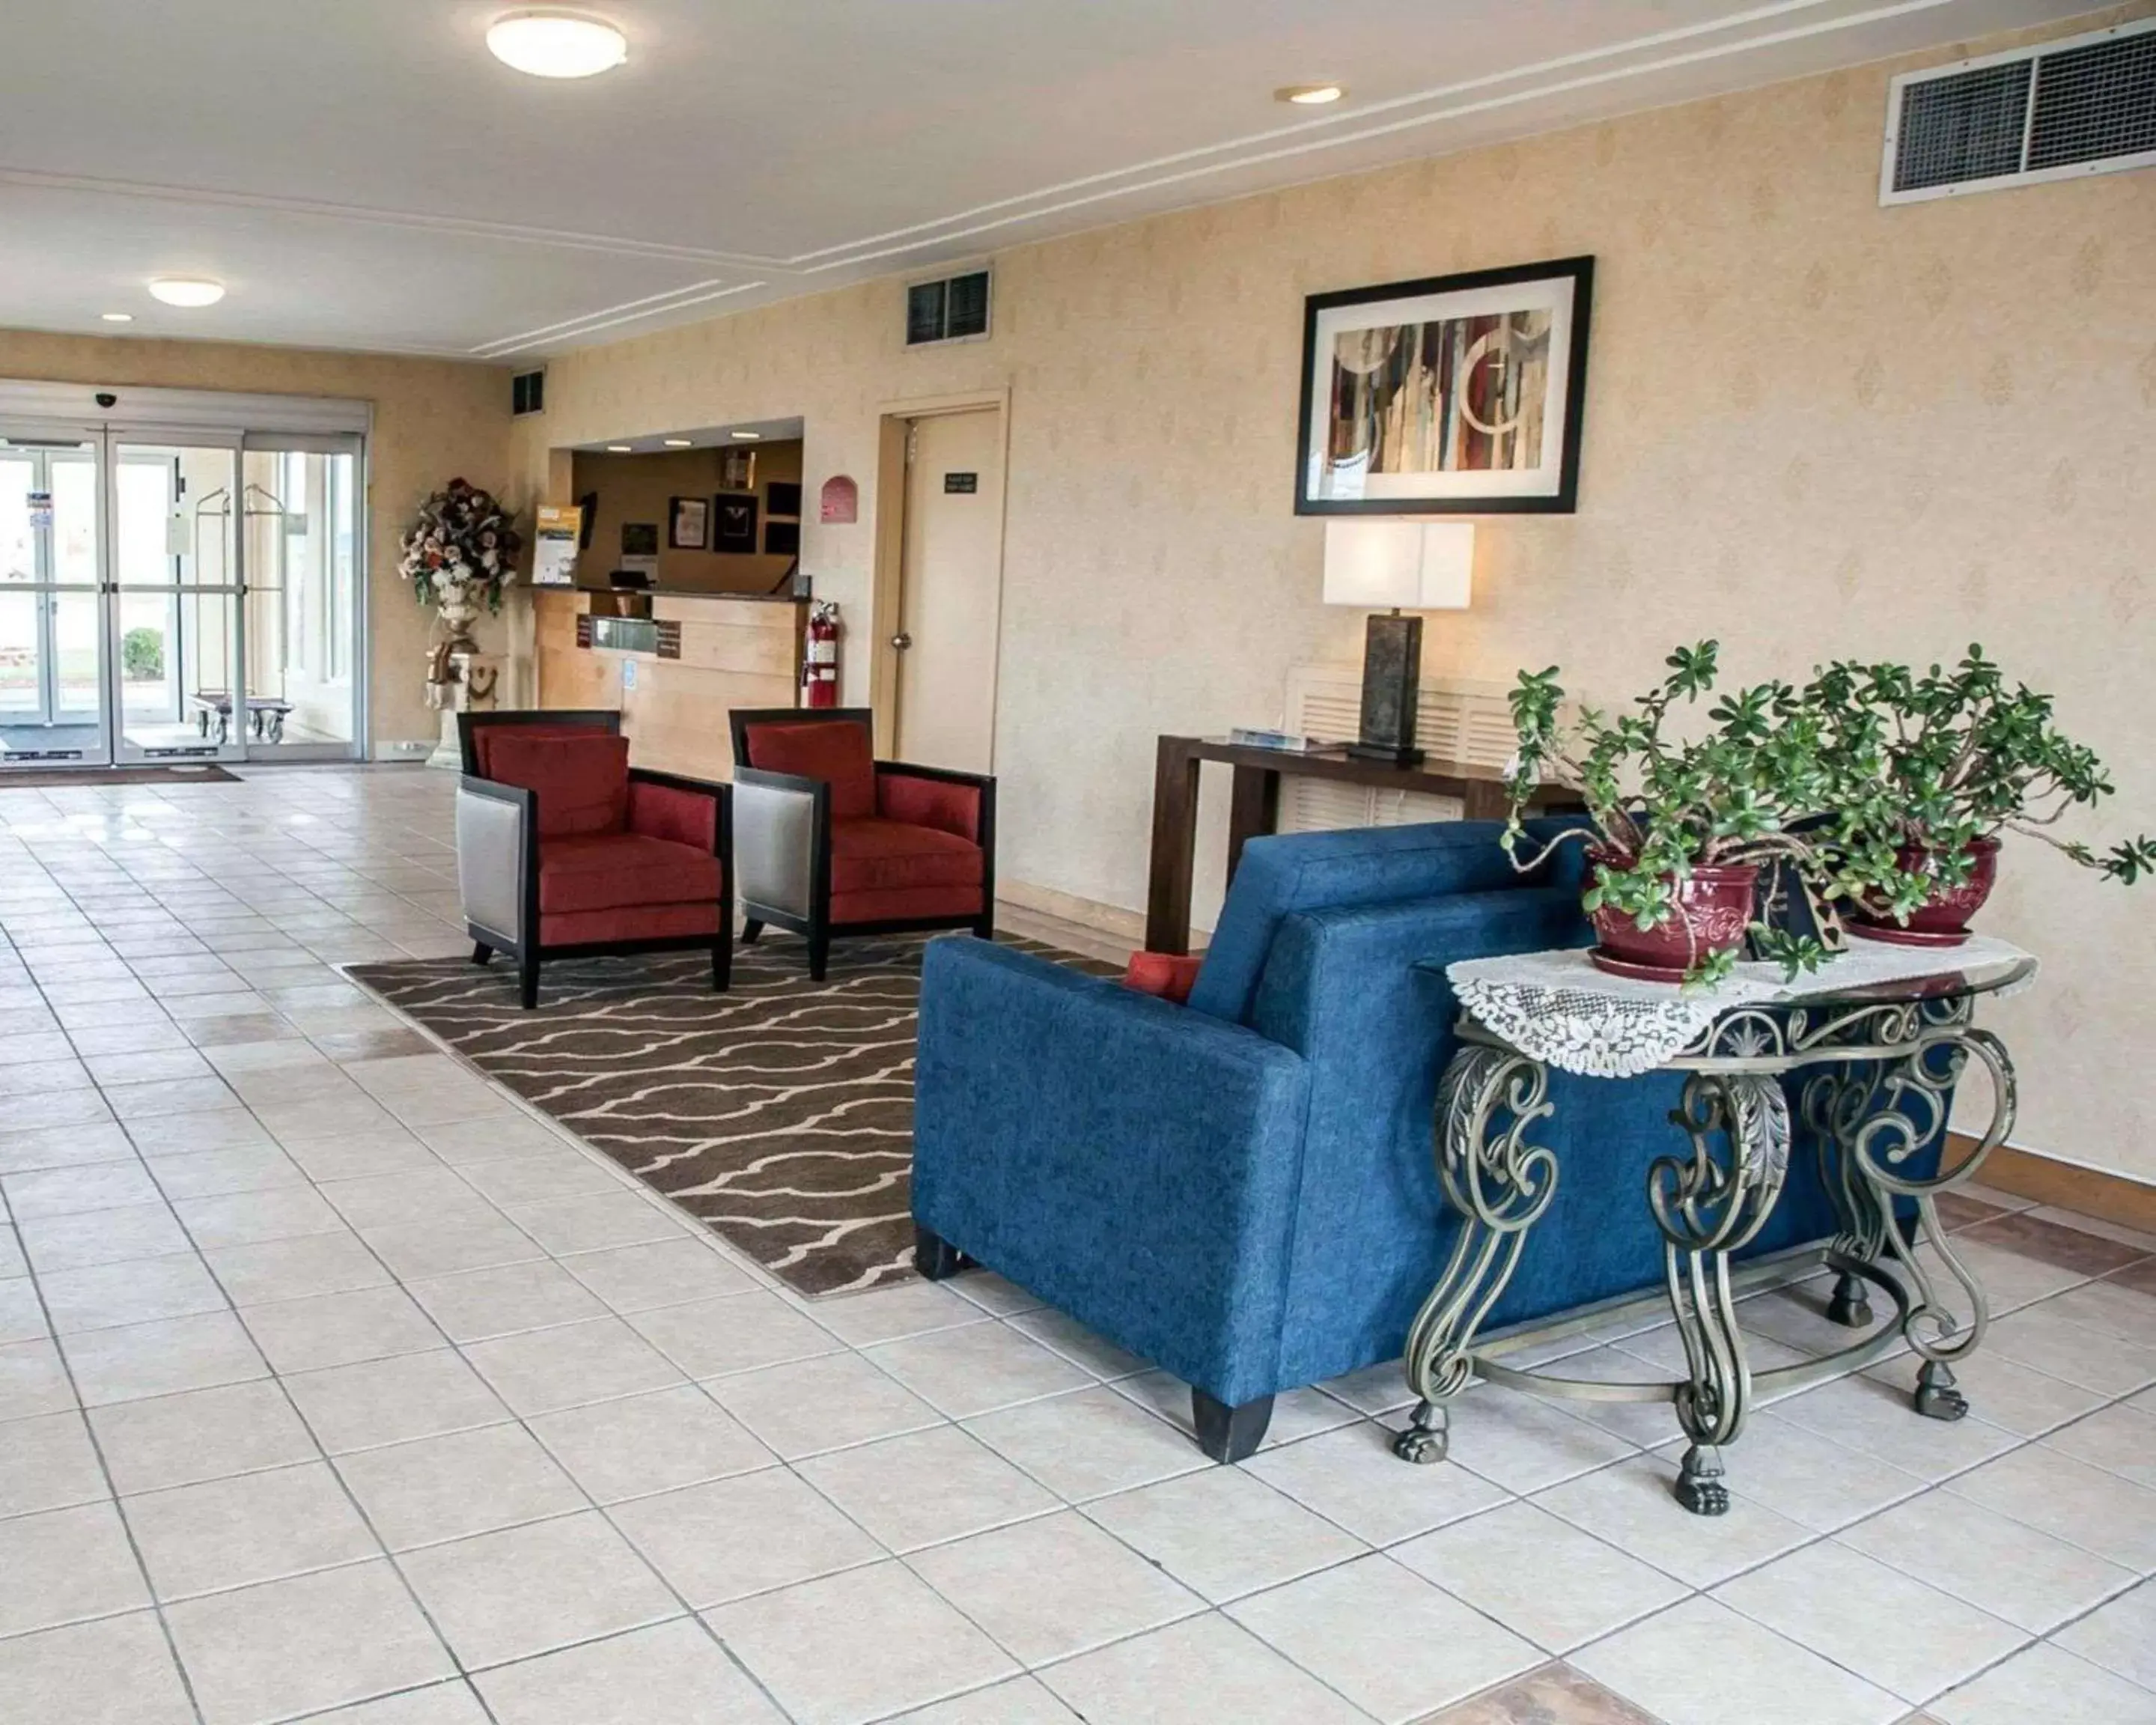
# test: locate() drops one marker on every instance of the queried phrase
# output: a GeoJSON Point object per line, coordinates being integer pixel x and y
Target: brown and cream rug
{"type": "Point", "coordinates": [779, 1113]}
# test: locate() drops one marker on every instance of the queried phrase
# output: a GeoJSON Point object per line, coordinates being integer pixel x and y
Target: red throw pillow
{"type": "Point", "coordinates": [836, 751]}
{"type": "Point", "coordinates": [1167, 976]}
{"type": "Point", "coordinates": [582, 780]}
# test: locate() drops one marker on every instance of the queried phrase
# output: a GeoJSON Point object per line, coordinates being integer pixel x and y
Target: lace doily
{"type": "Point", "coordinates": [1559, 1007]}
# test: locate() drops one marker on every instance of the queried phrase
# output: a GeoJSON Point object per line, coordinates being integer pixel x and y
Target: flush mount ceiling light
{"type": "Point", "coordinates": [620, 449]}
{"type": "Point", "coordinates": [747, 437]}
{"type": "Point", "coordinates": [679, 442]}
{"type": "Point", "coordinates": [185, 289]}
{"type": "Point", "coordinates": [1310, 95]}
{"type": "Point", "coordinates": [556, 44]}
{"type": "Point", "coordinates": [118, 316]}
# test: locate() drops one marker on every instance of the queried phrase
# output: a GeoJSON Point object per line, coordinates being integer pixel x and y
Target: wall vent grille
{"type": "Point", "coordinates": [1455, 721]}
{"type": "Point", "coordinates": [954, 310]}
{"type": "Point", "coordinates": [2086, 105]}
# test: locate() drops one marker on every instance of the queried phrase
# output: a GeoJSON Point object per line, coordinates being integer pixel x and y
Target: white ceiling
{"type": "Point", "coordinates": [363, 174]}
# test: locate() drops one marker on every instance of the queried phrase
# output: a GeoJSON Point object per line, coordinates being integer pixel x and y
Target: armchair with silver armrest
{"type": "Point", "coordinates": [564, 851]}
{"type": "Point", "coordinates": [831, 841]}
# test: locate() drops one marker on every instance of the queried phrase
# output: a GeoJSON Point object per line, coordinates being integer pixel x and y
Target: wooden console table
{"type": "Point", "coordinates": [1254, 809]}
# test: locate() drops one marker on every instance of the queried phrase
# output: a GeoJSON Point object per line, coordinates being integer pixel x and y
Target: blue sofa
{"type": "Point", "coordinates": [1242, 1190]}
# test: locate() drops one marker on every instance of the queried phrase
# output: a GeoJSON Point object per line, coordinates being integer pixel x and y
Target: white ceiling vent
{"type": "Point", "coordinates": [2085, 104]}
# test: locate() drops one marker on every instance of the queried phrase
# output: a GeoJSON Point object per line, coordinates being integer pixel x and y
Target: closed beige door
{"type": "Point", "coordinates": [950, 590]}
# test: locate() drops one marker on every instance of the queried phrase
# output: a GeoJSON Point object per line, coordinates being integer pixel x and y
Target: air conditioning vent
{"type": "Point", "coordinates": [952, 309]}
{"type": "Point", "coordinates": [2086, 105]}
{"type": "Point", "coordinates": [527, 392]}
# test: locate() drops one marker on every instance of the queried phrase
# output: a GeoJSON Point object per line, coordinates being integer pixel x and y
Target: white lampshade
{"type": "Point", "coordinates": [1417, 565]}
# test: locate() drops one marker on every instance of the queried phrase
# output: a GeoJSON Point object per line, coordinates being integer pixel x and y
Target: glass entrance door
{"type": "Point", "coordinates": [52, 672]}
{"type": "Point", "coordinates": [302, 556]}
{"type": "Point", "coordinates": [171, 594]}
{"type": "Point", "coordinates": [178, 512]}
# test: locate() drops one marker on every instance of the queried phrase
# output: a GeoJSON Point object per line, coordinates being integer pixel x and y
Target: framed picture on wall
{"type": "Point", "coordinates": [737, 469]}
{"type": "Point", "coordinates": [688, 524]}
{"type": "Point", "coordinates": [782, 539]}
{"type": "Point", "coordinates": [734, 523]}
{"type": "Point", "coordinates": [782, 497]}
{"type": "Point", "coordinates": [1459, 394]}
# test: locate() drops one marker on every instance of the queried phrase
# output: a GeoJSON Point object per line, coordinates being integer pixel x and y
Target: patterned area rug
{"type": "Point", "coordinates": [779, 1113]}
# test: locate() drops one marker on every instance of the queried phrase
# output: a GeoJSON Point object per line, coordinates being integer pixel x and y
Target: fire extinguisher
{"type": "Point", "coordinates": [819, 664]}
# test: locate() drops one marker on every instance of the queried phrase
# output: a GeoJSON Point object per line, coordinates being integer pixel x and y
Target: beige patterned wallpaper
{"type": "Point", "coordinates": [433, 420]}
{"type": "Point", "coordinates": [1814, 428]}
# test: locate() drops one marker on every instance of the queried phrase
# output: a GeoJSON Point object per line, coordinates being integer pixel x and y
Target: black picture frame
{"type": "Point", "coordinates": [782, 497]}
{"type": "Point", "coordinates": [1569, 280]}
{"type": "Point", "coordinates": [639, 539]}
{"type": "Point", "coordinates": [733, 523]}
{"type": "Point", "coordinates": [688, 523]}
{"type": "Point", "coordinates": [782, 539]}
{"type": "Point", "coordinates": [589, 503]}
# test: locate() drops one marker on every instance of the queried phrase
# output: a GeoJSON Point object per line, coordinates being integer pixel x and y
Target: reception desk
{"type": "Point", "coordinates": [672, 664]}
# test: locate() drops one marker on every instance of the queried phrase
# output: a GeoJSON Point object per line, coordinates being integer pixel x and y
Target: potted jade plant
{"type": "Point", "coordinates": [1679, 833]}
{"type": "Point", "coordinates": [1935, 768]}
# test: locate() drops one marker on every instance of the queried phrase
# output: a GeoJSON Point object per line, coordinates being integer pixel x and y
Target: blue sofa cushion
{"type": "Point", "coordinates": [1305, 872]}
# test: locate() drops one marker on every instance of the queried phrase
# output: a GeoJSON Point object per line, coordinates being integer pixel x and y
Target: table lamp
{"type": "Point", "coordinates": [1421, 566]}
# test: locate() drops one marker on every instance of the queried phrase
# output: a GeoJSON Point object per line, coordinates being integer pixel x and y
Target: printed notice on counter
{"type": "Point", "coordinates": [554, 546]}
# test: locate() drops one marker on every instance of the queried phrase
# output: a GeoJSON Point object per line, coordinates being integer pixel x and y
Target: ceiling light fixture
{"type": "Point", "coordinates": [556, 44]}
{"type": "Point", "coordinates": [1310, 95]}
{"type": "Point", "coordinates": [620, 449]}
{"type": "Point", "coordinates": [185, 289]}
{"type": "Point", "coordinates": [118, 316]}
{"type": "Point", "coordinates": [747, 437]}
{"type": "Point", "coordinates": [679, 442]}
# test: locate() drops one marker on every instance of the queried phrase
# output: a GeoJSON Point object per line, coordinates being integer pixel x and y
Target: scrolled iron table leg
{"type": "Point", "coordinates": [1500, 1185]}
{"type": "Point", "coordinates": [1915, 1099]}
{"type": "Point", "coordinates": [1708, 1205]}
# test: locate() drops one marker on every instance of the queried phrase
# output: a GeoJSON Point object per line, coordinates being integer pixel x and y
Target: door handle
{"type": "Point", "coordinates": [902, 640]}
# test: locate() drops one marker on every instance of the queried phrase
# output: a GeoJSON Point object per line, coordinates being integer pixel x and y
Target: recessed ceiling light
{"type": "Point", "coordinates": [747, 437]}
{"type": "Point", "coordinates": [118, 316]}
{"type": "Point", "coordinates": [1311, 95]}
{"type": "Point", "coordinates": [679, 442]}
{"type": "Point", "coordinates": [185, 289]}
{"type": "Point", "coordinates": [620, 449]}
{"type": "Point", "coordinates": [556, 44]}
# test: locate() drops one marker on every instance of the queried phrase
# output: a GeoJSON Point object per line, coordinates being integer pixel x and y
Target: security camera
{"type": "Point", "coordinates": [106, 399]}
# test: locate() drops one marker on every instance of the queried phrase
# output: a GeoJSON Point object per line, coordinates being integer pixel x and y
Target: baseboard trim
{"type": "Point", "coordinates": [1111, 920]}
{"type": "Point", "coordinates": [2070, 1185]}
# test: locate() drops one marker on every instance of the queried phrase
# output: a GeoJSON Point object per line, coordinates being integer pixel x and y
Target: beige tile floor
{"type": "Point", "coordinates": [333, 1385]}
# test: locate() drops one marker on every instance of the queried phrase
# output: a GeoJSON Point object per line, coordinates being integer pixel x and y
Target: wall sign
{"type": "Point", "coordinates": [961, 484]}
{"type": "Point", "coordinates": [840, 505]}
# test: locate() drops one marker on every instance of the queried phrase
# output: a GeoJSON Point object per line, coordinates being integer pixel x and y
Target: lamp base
{"type": "Point", "coordinates": [1392, 667]}
{"type": "Point", "coordinates": [1392, 754]}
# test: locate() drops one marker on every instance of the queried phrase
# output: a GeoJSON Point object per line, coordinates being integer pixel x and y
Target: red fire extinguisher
{"type": "Point", "coordinates": [819, 666]}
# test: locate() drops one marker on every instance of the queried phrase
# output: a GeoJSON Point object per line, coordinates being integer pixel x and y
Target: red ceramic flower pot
{"type": "Point", "coordinates": [1942, 919]}
{"type": "Point", "coordinates": [1712, 910]}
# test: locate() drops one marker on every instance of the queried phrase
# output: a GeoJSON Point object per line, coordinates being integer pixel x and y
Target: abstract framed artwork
{"type": "Point", "coordinates": [1460, 394]}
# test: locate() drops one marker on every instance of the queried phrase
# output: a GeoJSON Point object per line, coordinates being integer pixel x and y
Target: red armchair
{"type": "Point", "coordinates": [566, 851]}
{"type": "Point", "coordinates": [831, 841]}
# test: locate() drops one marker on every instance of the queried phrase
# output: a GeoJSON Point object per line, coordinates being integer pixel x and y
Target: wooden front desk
{"type": "Point", "coordinates": [716, 652]}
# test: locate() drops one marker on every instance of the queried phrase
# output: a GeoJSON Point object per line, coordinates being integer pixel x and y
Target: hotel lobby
{"type": "Point", "coordinates": [1209, 914]}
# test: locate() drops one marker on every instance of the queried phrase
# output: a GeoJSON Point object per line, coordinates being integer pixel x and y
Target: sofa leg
{"type": "Point", "coordinates": [750, 928]}
{"type": "Point", "coordinates": [481, 953]}
{"type": "Point", "coordinates": [820, 956]}
{"type": "Point", "coordinates": [936, 1257]}
{"type": "Point", "coordinates": [722, 966]}
{"type": "Point", "coordinates": [527, 980]}
{"type": "Point", "coordinates": [985, 928]}
{"type": "Point", "coordinates": [1229, 1433]}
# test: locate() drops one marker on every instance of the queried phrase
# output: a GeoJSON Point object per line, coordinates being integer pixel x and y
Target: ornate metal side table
{"type": "Point", "coordinates": [1881, 1059]}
